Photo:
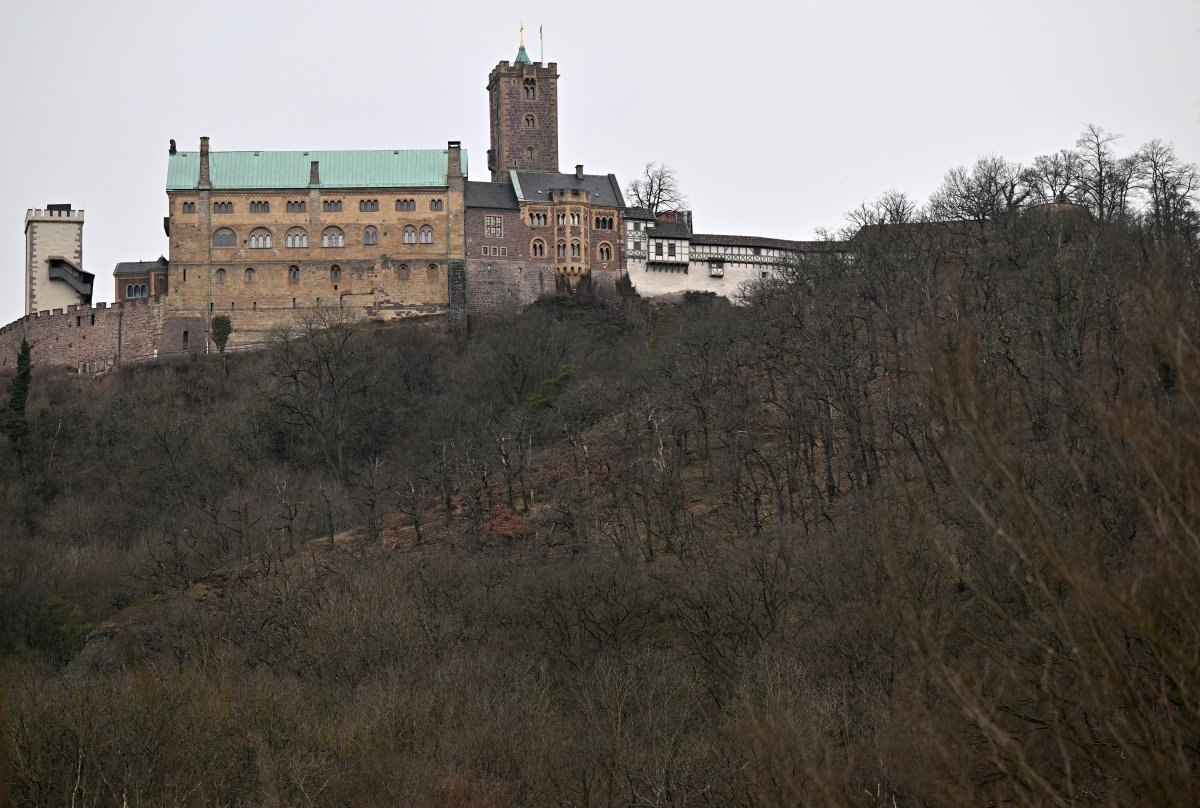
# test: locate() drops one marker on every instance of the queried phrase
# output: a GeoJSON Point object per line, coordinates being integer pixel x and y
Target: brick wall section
{"type": "Point", "coordinates": [87, 339]}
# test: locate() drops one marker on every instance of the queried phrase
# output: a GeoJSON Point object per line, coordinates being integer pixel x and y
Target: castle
{"type": "Point", "coordinates": [265, 236]}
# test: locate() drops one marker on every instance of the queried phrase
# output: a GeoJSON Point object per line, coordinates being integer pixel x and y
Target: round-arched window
{"type": "Point", "coordinates": [224, 237]}
{"type": "Point", "coordinates": [333, 237]}
{"type": "Point", "coordinates": [220, 276]}
{"type": "Point", "coordinates": [260, 238]}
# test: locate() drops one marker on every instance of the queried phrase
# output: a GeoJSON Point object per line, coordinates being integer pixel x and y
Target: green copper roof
{"type": "Point", "coordinates": [522, 57]}
{"type": "Point", "coordinates": [403, 168]}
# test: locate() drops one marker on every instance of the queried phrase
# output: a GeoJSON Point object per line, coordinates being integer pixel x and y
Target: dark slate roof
{"type": "Point", "coordinates": [491, 195]}
{"type": "Point", "coordinates": [139, 267]}
{"type": "Point", "coordinates": [602, 189]}
{"type": "Point", "coordinates": [767, 243]}
{"type": "Point", "coordinates": [661, 229]}
{"type": "Point", "coordinates": [642, 214]}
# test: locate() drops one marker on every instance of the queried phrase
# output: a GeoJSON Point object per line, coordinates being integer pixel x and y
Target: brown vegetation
{"type": "Point", "coordinates": [918, 527]}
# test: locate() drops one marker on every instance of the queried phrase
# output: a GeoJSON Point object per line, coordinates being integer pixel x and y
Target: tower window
{"type": "Point", "coordinates": [529, 153]}
{"type": "Point", "coordinates": [605, 252]}
{"type": "Point", "coordinates": [531, 88]}
{"type": "Point", "coordinates": [530, 122]}
{"type": "Point", "coordinates": [575, 251]}
{"type": "Point", "coordinates": [561, 249]}
{"type": "Point", "coordinates": [185, 340]}
{"type": "Point", "coordinates": [562, 220]}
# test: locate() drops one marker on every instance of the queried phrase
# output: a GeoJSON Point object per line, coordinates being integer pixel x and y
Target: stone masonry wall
{"type": "Point", "coordinates": [89, 339]}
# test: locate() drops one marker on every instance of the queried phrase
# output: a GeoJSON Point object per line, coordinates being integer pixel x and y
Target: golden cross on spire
{"type": "Point", "coordinates": [522, 33]}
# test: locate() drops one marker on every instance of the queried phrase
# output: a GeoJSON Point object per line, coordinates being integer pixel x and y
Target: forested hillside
{"type": "Point", "coordinates": [914, 526]}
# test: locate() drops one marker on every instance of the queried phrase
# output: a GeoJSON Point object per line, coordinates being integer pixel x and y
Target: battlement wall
{"type": "Point", "coordinates": [90, 339]}
{"type": "Point", "coordinates": [38, 214]}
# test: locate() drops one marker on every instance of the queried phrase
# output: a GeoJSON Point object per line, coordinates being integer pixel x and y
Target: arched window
{"type": "Point", "coordinates": [426, 234]}
{"type": "Point", "coordinates": [531, 88]}
{"type": "Point", "coordinates": [562, 220]}
{"type": "Point", "coordinates": [530, 122]}
{"type": "Point", "coordinates": [333, 237]}
{"type": "Point", "coordinates": [605, 252]}
{"type": "Point", "coordinates": [368, 205]}
{"type": "Point", "coordinates": [538, 248]}
{"type": "Point", "coordinates": [432, 272]}
{"type": "Point", "coordinates": [435, 204]}
{"type": "Point", "coordinates": [293, 274]}
{"type": "Point", "coordinates": [260, 238]}
{"type": "Point", "coordinates": [220, 276]}
{"type": "Point", "coordinates": [402, 272]}
{"type": "Point", "coordinates": [410, 235]}
{"type": "Point", "coordinates": [575, 219]}
{"type": "Point", "coordinates": [561, 249]}
{"type": "Point", "coordinates": [335, 273]}
{"type": "Point", "coordinates": [224, 237]}
{"type": "Point", "coordinates": [296, 237]}
{"type": "Point", "coordinates": [575, 249]}
{"type": "Point", "coordinates": [129, 290]}
{"type": "Point", "coordinates": [370, 236]}
{"type": "Point", "coordinates": [406, 204]}
{"type": "Point", "coordinates": [249, 276]}
{"type": "Point", "coordinates": [529, 153]}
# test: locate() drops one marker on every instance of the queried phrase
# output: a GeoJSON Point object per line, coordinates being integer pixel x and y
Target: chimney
{"type": "Point", "coordinates": [579, 171]}
{"type": "Point", "coordinates": [205, 176]}
{"type": "Point", "coordinates": [314, 173]}
{"type": "Point", "coordinates": [454, 159]}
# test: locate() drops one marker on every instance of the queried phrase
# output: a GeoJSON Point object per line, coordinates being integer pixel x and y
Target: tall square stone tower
{"type": "Point", "coordinates": [523, 99]}
{"type": "Point", "coordinates": [54, 276]}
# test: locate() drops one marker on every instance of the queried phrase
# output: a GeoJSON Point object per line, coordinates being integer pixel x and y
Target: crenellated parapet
{"type": "Point", "coordinates": [88, 338]}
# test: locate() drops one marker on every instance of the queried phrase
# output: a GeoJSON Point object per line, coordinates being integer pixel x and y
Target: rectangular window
{"type": "Point", "coordinates": [493, 226]}
{"type": "Point", "coordinates": [504, 251]}
{"type": "Point", "coordinates": [485, 249]}
{"type": "Point", "coordinates": [658, 248]}
{"type": "Point", "coordinates": [671, 248]}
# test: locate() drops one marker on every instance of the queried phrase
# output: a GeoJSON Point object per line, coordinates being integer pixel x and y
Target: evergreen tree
{"type": "Point", "coordinates": [12, 417]}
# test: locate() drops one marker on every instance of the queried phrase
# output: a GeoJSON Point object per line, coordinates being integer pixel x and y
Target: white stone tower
{"type": "Point", "coordinates": [54, 276]}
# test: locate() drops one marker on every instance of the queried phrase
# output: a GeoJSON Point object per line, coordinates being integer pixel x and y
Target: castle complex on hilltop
{"type": "Point", "coordinates": [264, 237]}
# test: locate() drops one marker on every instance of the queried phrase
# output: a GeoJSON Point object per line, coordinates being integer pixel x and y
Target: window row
{"type": "Point", "coordinates": [221, 277]}
{"type": "Point", "coordinates": [494, 250]}
{"type": "Point", "coordinates": [261, 238]}
{"type": "Point", "coordinates": [327, 206]}
{"type": "Point", "coordinates": [537, 249]}
{"type": "Point", "coordinates": [136, 290]}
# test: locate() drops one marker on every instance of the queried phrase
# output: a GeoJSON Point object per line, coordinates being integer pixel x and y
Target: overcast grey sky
{"type": "Point", "coordinates": [778, 117]}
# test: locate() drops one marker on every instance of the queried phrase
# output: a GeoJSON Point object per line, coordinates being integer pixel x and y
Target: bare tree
{"type": "Point", "coordinates": [988, 190]}
{"type": "Point", "coordinates": [656, 190]}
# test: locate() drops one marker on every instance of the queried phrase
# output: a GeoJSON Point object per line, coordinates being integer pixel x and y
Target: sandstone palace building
{"type": "Point", "coordinates": [265, 237]}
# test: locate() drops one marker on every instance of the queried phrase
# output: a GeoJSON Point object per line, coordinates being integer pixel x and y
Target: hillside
{"type": "Point", "coordinates": [912, 527]}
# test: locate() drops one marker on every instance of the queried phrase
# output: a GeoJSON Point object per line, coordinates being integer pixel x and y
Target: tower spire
{"type": "Point", "coordinates": [522, 56]}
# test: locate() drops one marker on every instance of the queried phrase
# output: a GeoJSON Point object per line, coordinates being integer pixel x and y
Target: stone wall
{"type": "Point", "coordinates": [511, 138]}
{"type": "Point", "coordinates": [496, 286]}
{"type": "Point", "coordinates": [89, 339]}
